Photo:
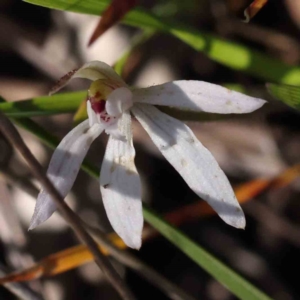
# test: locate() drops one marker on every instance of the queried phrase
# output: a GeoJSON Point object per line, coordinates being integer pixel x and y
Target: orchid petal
{"type": "Point", "coordinates": [192, 161]}
{"type": "Point", "coordinates": [118, 101]}
{"type": "Point", "coordinates": [93, 70]}
{"type": "Point", "coordinates": [114, 129]}
{"type": "Point", "coordinates": [197, 96]}
{"type": "Point", "coordinates": [64, 167]}
{"type": "Point", "coordinates": [121, 128]}
{"type": "Point", "coordinates": [121, 187]}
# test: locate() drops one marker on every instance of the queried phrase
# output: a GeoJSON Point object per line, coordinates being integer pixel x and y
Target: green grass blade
{"type": "Point", "coordinates": [233, 55]}
{"type": "Point", "coordinates": [235, 283]}
{"type": "Point", "coordinates": [288, 94]}
{"type": "Point", "coordinates": [45, 105]}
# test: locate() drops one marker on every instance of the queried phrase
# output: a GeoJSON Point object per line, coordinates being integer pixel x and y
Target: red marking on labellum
{"type": "Point", "coordinates": [98, 106]}
{"type": "Point", "coordinates": [105, 117]}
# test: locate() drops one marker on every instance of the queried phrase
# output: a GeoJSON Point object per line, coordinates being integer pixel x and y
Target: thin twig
{"type": "Point", "coordinates": [14, 137]}
{"type": "Point", "coordinates": [123, 256]}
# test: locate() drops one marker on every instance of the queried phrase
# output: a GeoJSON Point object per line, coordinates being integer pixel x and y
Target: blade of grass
{"type": "Point", "coordinates": [44, 105]}
{"type": "Point", "coordinates": [288, 94]}
{"type": "Point", "coordinates": [230, 54]}
{"type": "Point", "coordinates": [235, 283]}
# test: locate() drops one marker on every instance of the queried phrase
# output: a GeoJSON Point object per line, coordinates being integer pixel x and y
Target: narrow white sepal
{"type": "Point", "coordinates": [197, 96]}
{"type": "Point", "coordinates": [192, 161]}
{"type": "Point", "coordinates": [121, 188]}
{"type": "Point", "coordinates": [64, 167]}
{"type": "Point", "coordinates": [93, 70]}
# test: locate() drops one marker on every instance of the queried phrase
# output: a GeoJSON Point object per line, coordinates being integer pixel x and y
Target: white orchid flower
{"type": "Point", "coordinates": [110, 104]}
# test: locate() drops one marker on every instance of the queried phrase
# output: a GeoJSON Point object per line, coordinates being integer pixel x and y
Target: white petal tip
{"type": "Point", "coordinates": [261, 103]}
{"type": "Point", "coordinates": [238, 222]}
{"type": "Point", "coordinates": [133, 242]}
{"type": "Point", "coordinates": [31, 227]}
{"type": "Point", "coordinates": [242, 224]}
{"type": "Point", "coordinates": [252, 106]}
{"type": "Point", "coordinates": [44, 209]}
{"type": "Point", "coordinates": [35, 222]}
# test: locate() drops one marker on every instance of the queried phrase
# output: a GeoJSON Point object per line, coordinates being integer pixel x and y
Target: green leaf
{"type": "Point", "coordinates": [288, 94]}
{"type": "Point", "coordinates": [236, 284]}
{"type": "Point", "coordinates": [233, 55]}
{"type": "Point", "coordinates": [45, 105]}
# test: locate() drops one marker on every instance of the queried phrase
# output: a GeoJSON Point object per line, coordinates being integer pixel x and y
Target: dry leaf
{"type": "Point", "coordinates": [114, 13]}
{"type": "Point", "coordinates": [254, 8]}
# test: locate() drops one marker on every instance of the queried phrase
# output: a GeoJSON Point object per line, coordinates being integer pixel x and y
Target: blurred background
{"type": "Point", "coordinates": [38, 46]}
